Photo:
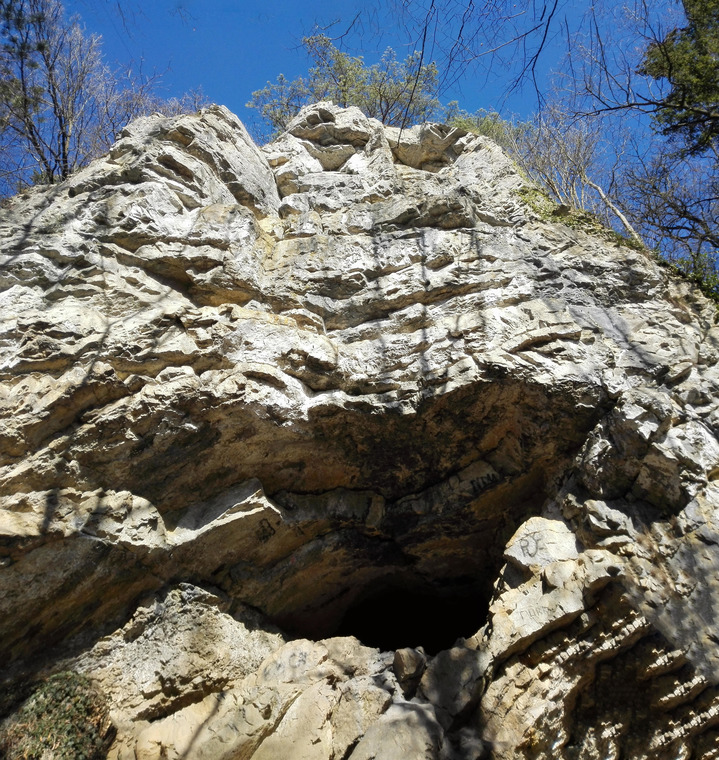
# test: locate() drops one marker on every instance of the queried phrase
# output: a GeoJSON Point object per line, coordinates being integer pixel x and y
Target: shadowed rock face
{"type": "Point", "coordinates": [350, 385]}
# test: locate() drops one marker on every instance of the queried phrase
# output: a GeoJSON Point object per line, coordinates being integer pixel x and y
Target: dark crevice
{"type": "Point", "coordinates": [392, 617]}
{"type": "Point", "coordinates": [350, 749]}
{"type": "Point", "coordinates": [387, 598]}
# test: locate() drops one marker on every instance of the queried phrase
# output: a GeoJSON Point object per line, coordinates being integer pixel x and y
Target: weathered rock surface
{"type": "Point", "coordinates": [269, 415]}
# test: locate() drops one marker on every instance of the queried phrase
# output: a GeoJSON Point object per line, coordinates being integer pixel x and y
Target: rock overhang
{"type": "Point", "coordinates": [350, 362]}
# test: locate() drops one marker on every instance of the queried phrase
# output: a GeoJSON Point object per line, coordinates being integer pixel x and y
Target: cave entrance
{"type": "Point", "coordinates": [421, 574]}
{"type": "Point", "coordinates": [392, 615]}
{"type": "Point", "coordinates": [372, 590]}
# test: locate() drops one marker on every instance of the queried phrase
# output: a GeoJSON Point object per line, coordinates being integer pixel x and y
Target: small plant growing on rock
{"type": "Point", "coordinates": [64, 718]}
{"type": "Point", "coordinates": [549, 210]}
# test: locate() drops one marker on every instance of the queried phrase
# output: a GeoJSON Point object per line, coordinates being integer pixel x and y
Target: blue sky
{"type": "Point", "coordinates": [232, 47]}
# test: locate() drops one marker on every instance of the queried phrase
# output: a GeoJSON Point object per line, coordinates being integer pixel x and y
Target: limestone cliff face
{"type": "Point", "coordinates": [336, 450]}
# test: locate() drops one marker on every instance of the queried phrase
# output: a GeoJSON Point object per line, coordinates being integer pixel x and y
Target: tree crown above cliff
{"type": "Point", "coordinates": [60, 104]}
{"type": "Point", "coordinates": [398, 93]}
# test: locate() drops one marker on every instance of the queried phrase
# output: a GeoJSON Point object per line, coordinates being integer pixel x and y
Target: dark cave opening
{"type": "Point", "coordinates": [392, 616]}
{"type": "Point", "coordinates": [424, 577]}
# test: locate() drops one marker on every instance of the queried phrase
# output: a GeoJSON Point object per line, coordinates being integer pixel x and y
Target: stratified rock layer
{"type": "Point", "coordinates": [260, 402]}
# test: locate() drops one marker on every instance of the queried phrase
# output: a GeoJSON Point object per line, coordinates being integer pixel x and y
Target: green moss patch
{"type": "Point", "coordinates": [549, 211]}
{"type": "Point", "coordinates": [63, 718]}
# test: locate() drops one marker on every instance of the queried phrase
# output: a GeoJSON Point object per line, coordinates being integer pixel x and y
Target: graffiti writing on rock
{"type": "Point", "coordinates": [530, 545]}
{"type": "Point", "coordinates": [480, 483]}
{"type": "Point", "coordinates": [265, 531]}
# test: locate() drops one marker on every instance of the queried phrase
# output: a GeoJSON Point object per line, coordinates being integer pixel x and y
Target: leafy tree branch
{"type": "Point", "coordinates": [397, 93]}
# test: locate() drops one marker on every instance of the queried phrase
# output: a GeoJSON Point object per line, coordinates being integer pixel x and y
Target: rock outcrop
{"type": "Point", "coordinates": [338, 449]}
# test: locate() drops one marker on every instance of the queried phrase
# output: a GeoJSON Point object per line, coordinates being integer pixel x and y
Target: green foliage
{"type": "Point", "coordinates": [397, 93]}
{"type": "Point", "coordinates": [702, 273]}
{"type": "Point", "coordinates": [278, 103]}
{"type": "Point", "coordinates": [688, 59]}
{"type": "Point", "coordinates": [542, 205]}
{"type": "Point", "coordinates": [549, 210]}
{"type": "Point", "coordinates": [505, 132]}
{"type": "Point", "coordinates": [700, 269]}
{"type": "Point", "coordinates": [64, 718]}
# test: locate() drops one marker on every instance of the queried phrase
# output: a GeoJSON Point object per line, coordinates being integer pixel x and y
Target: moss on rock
{"type": "Point", "coordinates": [549, 211]}
{"type": "Point", "coordinates": [64, 718]}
